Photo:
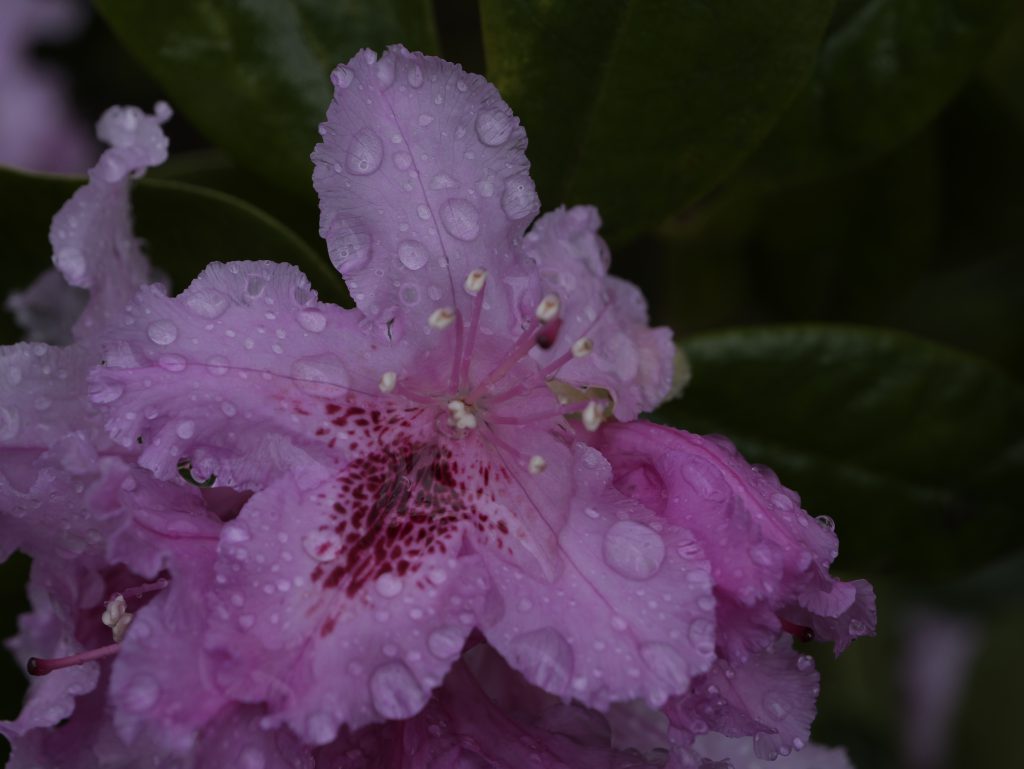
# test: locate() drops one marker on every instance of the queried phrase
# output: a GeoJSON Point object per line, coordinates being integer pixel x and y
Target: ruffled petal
{"type": "Point", "coordinates": [47, 310]}
{"type": "Point", "coordinates": [56, 592]}
{"type": "Point", "coordinates": [770, 697]}
{"type": "Point", "coordinates": [306, 597]}
{"type": "Point", "coordinates": [629, 359]}
{"type": "Point", "coordinates": [92, 239]}
{"type": "Point", "coordinates": [720, 751]}
{"type": "Point", "coordinates": [855, 622]}
{"type": "Point", "coordinates": [630, 613]}
{"type": "Point", "coordinates": [422, 178]}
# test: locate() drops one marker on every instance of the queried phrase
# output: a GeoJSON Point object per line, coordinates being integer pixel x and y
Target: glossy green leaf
{"type": "Point", "coordinates": [642, 106]}
{"type": "Point", "coordinates": [915, 450]}
{"type": "Point", "coordinates": [887, 68]}
{"type": "Point", "coordinates": [184, 228]}
{"type": "Point", "coordinates": [253, 75]}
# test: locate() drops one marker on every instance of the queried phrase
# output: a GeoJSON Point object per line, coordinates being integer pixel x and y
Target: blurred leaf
{"type": "Point", "coordinates": [1004, 69]}
{"type": "Point", "coordinates": [184, 228]}
{"type": "Point", "coordinates": [253, 75]}
{"type": "Point", "coordinates": [641, 107]}
{"type": "Point", "coordinates": [884, 73]}
{"type": "Point", "coordinates": [915, 450]}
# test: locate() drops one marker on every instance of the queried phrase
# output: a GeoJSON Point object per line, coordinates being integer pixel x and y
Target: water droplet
{"type": "Point", "coordinates": [395, 691]}
{"type": "Point", "coordinates": [804, 662]}
{"type": "Point", "coordinates": [519, 199]}
{"type": "Point", "coordinates": [706, 479]}
{"type": "Point", "coordinates": [402, 160]}
{"type": "Point", "coordinates": [172, 363]}
{"type": "Point", "coordinates": [10, 422]}
{"type": "Point", "coordinates": [235, 533]}
{"type": "Point", "coordinates": [415, 76]}
{"type": "Point", "coordinates": [858, 628]}
{"type": "Point", "coordinates": [826, 522]}
{"type": "Point", "coordinates": [762, 554]}
{"type": "Point", "coordinates": [388, 585]}
{"type": "Point", "coordinates": [321, 728]}
{"type": "Point", "coordinates": [322, 375]}
{"type": "Point", "coordinates": [246, 621]}
{"type": "Point", "coordinates": [385, 70]}
{"type": "Point", "coordinates": [493, 127]}
{"type": "Point", "coordinates": [461, 219]}
{"type": "Point", "coordinates": [544, 657]}
{"type": "Point", "coordinates": [446, 642]}
{"type": "Point", "coordinates": [702, 635]}
{"type": "Point", "coordinates": [162, 332]}
{"type": "Point", "coordinates": [206, 302]}
{"type": "Point", "coordinates": [141, 694]}
{"type": "Point", "coordinates": [105, 392]}
{"type": "Point", "coordinates": [365, 152]}
{"type": "Point", "coordinates": [667, 664]}
{"type": "Point", "coordinates": [634, 550]}
{"type": "Point", "coordinates": [71, 262]}
{"type": "Point", "coordinates": [255, 286]}
{"type": "Point", "coordinates": [442, 182]}
{"type": "Point", "coordinates": [618, 623]}
{"type": "Point", "coordinates": [252, 758]}
{"type": "Point", "coordinates": [412, 254]}
{"type": "Point", "coordinates": [312, 320]}
{"type": "Point", "coordinates": [349, 245]}
{"type": "Point", "coordinates": [342, 76]}
{"type": "Point", "coordinates": [186, 429]}
{"type": "Point", "coordinates": [217, 365]}
{"type": "Point", "coordinates": [423, 212]}
{"type": "Point", "coordinates": [424, 120]}
{"type": "Point", "coordinates": [776, 705]}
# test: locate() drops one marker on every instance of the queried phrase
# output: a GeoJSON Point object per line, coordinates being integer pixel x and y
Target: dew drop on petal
{"type": "Point", "coordinates": [312, 320]}
{"type": "Point", "coordinates": [415, 76]}
{"type": "Point", "coordinates": [71, 262]}
{"type": "Point", "coordinates": [634, 550]}
{"type": "Point", "coordinates": [446, 642]}
{"type": "Point", "coordinates": [519, 199]}
{"type": "Point", "coordinates": [162, 332]}
{"type": "Point", "coordinates": [395, 692]}
{"type": "Point", "coordinates": [172, 363]}
{"type": "Point", "coordinates": [207, 303]}
{"type": "Point", "coordinates": [141, 694]}
{"type": "Point", "coordinates": [217, 365]}
{"type": "Point", "coordinates": [667, 664]}
{"type": "Point", "coordinates": [186, 429]}
{"type": "Point", "coordinates": [776, 705]}
{"type": "Point", "coordinates": [321, 728]}
{"type": "Point", "coordinates": [365, 152]}
{"type": "Point", "coordinates": [252, 758]}
{"type": "Point", "coordinates": [235, 533]}
{"type": "Point", "coordinates": [402, 160]}
{"type": "Point", "coordinates": [544, 657]}
{"type": "Point", "coordinates": [321, 375]}
{"type": "Point", "coordinates": [342, 76]}
{"type": "Point", "coordinates": [460, 219]}
{"type": "Point", "coordinates": [105, 392]}
{"type": "Point", "coordinates": [412, 254]}
{"type": "Point", "coordinates": [493, 127]}
{"type": "Point", "coordinates": [388, 585]}
{"type": "Point", "coordinates": [10, 422]}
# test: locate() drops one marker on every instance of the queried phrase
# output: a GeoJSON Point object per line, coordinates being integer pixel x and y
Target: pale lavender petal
{"type": "Point", "coordinates": [629, 359]}
{"type": "Point", "coordinates": [57, 593]}
{"type": "Point", "coordinates": [739, 754]}
{"type": "Point", "coordinates": [48, 308]}
{"type": "Point", "coordinates": [422, 178]}
{"type": "Point", "coordinates": [630, 612]}
{"type": "Point", "coordinates": [92, 239]}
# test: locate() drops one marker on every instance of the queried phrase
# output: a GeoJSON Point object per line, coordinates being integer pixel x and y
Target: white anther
{"type": "Point", "coordinates": [388, 380]}
{"type": "Point", "coordinates": [475, 282]}
{"type": "Point", "coordinates": [537, 464]}
{"type": "Point", "coordinates": [116, 608]}
{"type": "Point", "coordinates": [461, 417]}
{"type": "Point", "coordinates": [548, 308]}
{"type": "Point", "coordinates": [442, 317]}
{"type": "Point", "coordinates": [593, 416]}
{"type": "Point", "coordinates": [581, 347]}
{"type": "Point", "coordinates": [121, 627]}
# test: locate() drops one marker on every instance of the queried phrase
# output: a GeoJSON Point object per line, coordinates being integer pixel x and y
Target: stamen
{"type": "Point", "coordinates": [567, 408]}
{"type": "Point", "coordinates": [461, 417]}
{"type": "Point", "coordinates": [520, 348]}
{"type": "Point", "coordinates": [475, 282]}
{"type": "Point", "coordinates": [388, 380]}
{"type": "Point", "coordinates": [548, 308]}
{"type": "Point", "coordinates": [117, 617]}
{"type": "Point", "coordinates": [799, 632]}
{"type": "Point", "coordinates": [40, 667]}
{"type": "Point", "coordinates": [149, 587]}
{"type": "Point", "coordinates": [549, 334]}
{"type": "Point", "coordinates": [537, 464]}
{"type": "Point", "coordinates": [593, 415]}
{"type": "Point", "coordinates": [582, 347]}
{"type": "Point", "coordinates": [442, 318]}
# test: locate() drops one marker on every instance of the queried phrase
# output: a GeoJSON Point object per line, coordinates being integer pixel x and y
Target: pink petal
{"type": "Point", "coordinates": [422, 178]}
{"type": "Point", "coordinates": [739, 754]}
{"type": "Point", "coordinates": [631, 360]}
{"type": "Point", "coordinates": [47, 310]}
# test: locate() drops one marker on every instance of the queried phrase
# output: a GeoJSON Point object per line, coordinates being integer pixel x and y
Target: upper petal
{"type": "Point", "coordinates": [422, 177]}
{"type": "Point", "coordinates": [629, 359]}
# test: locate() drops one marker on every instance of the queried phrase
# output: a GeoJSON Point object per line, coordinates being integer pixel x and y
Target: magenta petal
{"type": "Point", "coordinates": [630, 613]}
{"type": "Point", "coordinates": [422, 178]}
{"type": "Point", "coordinates": [629, 359]}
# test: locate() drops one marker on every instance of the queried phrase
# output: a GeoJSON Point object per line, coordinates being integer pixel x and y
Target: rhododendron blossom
{"type": "Point", "coordinates": [424, 531]}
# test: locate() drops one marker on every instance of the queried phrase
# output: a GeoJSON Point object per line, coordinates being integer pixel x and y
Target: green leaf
{"type": "Point", "coordinates": [915, 450]}
{"type": "Point", "coordinates": [253, 75]}
{"type": "Point", "coordinates": [184, 228]}
{"type": "Point", "coordinates": [887, 69]}
{"type": "Point", "coordinates": [640, 106]}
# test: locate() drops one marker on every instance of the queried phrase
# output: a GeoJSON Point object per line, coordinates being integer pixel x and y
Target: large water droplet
{"type": "Point", "coordinates": [186, 429]}
{"type": "Point", "coordinates": [236, 533]}
{"type": "Point", "coordinates": [706, 479]}
{"type": "Point", "coordinates": [519, 200]}
{"type": "Point", "coordinates": [312, 320]}
{"type": "Point", "coordinates": [141, 694]}
{"type": "Point", "coordinates": [461, 219]}
{"type": "Point", "coordinates": [365, 151]}
{"type": "Point", "coordinates": [322, 375]}
{"type": "Point", "coordinates": [412, 254]}
{"type": "Point", "coordinates": [71, 262]}
{"type": "Point", "coordinates": [634, 550]}
{"type": "Point", "coordinates": [395, 691]}
{"type": "Point", "coordinates": [217, 365]}
{"type": "Point", "coordinates": [544, 657]}
{"type": "Point", "coordinates": [162, 332]}
{"type": "Point", "coordinates": [702, 635]}
{"type": "Point", "coordinates": [388, 585]}
{"type": "Point", "coordinates": [10, 423]}
{"type": "Point", "coordinates": [493, 127]}
{"type": "Point", "coordinates": [348, 244]}
{"type": "Point", "coordinates": [415, 76]}
{"type": "Point", "coordinates": [105, 392]}
{"type": "Point", "coordinates": [776, 705]}
{"type": "Point", "coordinates": [826, 522]}
{"type": "Point", "coordinates": [667, 664]}
{"type": "Point", "coordinates": [173, 363]}
{"type": "Point", "coordinates": [321, 728]}
{"type": "Point", "coordinates": [385, 70]}
{"type": "Point", "coordinates": [402, 160]}
{"type": "Point", "coordinates": [207, 303]}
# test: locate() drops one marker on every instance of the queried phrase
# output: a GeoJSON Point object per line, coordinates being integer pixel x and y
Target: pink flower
{"type": "Point", "coordinates": [453, 456]}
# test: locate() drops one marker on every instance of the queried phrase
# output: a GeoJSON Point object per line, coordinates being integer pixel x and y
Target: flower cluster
{"type": "Point", "coordinates": [427, 531]}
